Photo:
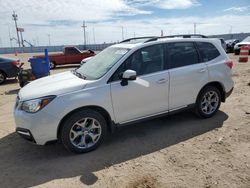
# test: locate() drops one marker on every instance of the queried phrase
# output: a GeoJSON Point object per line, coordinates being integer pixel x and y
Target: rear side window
{"type": "Point", "coordinates": [207, 51]}
{"type": "Point", "coordinates": [182, 54]}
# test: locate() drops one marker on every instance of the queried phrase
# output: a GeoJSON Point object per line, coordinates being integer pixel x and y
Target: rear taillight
{"type": "Point", "coordinates": [16, 63]}
{"type": "Point", "coordinates": [229, 63]}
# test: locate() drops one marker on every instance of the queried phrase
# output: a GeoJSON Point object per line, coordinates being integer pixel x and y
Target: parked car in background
{"type": "Point", "coordinates": [9, 68]}
{"type": "Point", "coordinates": [237, 46]}
{"type": "Point", "coordinates": [125, 83]}
{"type": "Point", "coordinates": [70, 55]}
{"type": "Point", "coordinates": [230, 45]}
{"type": "Point", "coordinates": [223, 44]}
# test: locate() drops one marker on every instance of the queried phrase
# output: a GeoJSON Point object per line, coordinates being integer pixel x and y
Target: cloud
{"type": "Point", "coordinates": [94, 10]}
{"type": "Point", "coordinates": [178, 4]}
{"type": "Point", "coordinates": [165, 4]}
{"type": "Point", "coordinates": [237, 9]}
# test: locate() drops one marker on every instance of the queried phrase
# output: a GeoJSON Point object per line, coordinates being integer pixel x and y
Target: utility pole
{"type": "Point", "coordinates": [194, 28]}
{"type": "Point", "coordinates": [10, 37]}
{"type": "Point", "coordinates": [21, 31]}
{"type": "Point", "coordinates": [94, 35]}
{"type": "Point", "coordinates": [84, 33]}
{"type": "Point", "coordinates": [37, 40]}
{"type": "Point", "coordinates": [14, 15]}
{"type": "Point", "coordinates": [122, 33]}
{"type": "Point", "coordinates": [49, 38]}
{"type": "Point", "coordinates": [162, 33]}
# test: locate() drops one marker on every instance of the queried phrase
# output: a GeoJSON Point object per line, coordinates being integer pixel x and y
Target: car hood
{"type": "Point", "coordinates": [57, 84]}
{"type": "Point", "coordinates": [242, 43]}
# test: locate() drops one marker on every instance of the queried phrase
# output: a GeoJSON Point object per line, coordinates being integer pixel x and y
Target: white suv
{"type": "Point", "coordinates": [134, 80]}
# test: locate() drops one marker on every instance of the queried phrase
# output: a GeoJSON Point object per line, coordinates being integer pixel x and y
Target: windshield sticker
{"type": "Point", "coordinates": [121, 51]}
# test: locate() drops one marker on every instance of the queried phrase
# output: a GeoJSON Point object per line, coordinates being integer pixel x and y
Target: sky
{"type": "Point", "coordinates": [59, 22]}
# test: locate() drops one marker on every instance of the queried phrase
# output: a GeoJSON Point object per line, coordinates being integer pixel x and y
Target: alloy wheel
{"type": "Point", "coordinates": [85, 133]}
{"type": "Point", "coordinates": [209, 102]}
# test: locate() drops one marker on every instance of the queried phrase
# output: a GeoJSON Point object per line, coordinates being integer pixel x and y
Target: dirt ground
{"type": "Point", "coordinates": [176, 151]}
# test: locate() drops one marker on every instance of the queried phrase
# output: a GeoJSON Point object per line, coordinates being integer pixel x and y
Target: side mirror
{"type": "Point", "coordinates": [128, 75]}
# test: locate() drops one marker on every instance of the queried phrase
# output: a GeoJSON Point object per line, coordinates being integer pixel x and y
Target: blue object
{"type": "Point", "coordinates": [40, 65]}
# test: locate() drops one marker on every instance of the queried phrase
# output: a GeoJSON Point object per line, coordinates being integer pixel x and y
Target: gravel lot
{"type": "Point", "coordinates": [176, 151]}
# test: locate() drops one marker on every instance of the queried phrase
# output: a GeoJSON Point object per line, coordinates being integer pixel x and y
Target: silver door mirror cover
{"type": "Point", "coordinates": [129, 75]}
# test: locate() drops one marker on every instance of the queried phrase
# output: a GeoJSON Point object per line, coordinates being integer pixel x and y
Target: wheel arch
{"type": "Point", "coordinates": [219, 86]}
{"type": "Point", "coordinates": [111, 125]}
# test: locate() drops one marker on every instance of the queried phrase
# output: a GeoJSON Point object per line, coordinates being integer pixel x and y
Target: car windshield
{"type": "Point", "coordinates": [100, 64]}
{"type": "Point", "coordinates": [246, 39]}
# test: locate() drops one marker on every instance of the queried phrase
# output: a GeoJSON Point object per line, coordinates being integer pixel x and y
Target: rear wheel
{"type": "Point", "coordinates": [83, 131]}
{"type": "Point", "coordinates": [52, 65]}
{"type": "Point", "coordinates": [208, 102]}
{"type": "Point", "coordinates": [2, 77]}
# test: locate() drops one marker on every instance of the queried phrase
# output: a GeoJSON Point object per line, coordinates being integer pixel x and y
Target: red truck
{"type": "Point", "coordinates": [70, 55]}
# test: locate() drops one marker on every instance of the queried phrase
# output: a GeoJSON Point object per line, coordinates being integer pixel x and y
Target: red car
{"type": "Point", "coordinates": [70, 55]}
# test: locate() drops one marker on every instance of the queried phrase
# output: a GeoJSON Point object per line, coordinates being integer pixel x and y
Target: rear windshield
{"type": "Point", "coordinates": [207, 51]}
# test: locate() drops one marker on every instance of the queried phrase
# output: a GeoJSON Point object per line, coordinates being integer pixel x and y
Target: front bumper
{"type": "Point", "coordinates": [229, 93]}
{"type": "Point", "coordinates": [26, 134]}
{"type": "Point", "coordinates": [40, 127]}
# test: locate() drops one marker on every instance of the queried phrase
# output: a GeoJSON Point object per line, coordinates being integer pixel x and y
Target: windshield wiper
{"type": "Point", "coordinates": [78, 74]}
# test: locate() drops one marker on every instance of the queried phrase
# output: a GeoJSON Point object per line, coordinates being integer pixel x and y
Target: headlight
{"type": "Point", "coordinates": [32, 106]}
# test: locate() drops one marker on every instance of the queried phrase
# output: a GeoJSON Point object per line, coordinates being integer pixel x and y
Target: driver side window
{"type": "Point", "coordinates": [144, 61]}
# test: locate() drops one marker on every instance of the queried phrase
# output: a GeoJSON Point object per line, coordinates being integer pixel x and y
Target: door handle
{"type": "Point", "coordinates": [161, 81]}
{"type": "Point", "coordinates": [202, 70]}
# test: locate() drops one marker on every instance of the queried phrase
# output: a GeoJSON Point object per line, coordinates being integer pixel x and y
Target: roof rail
{"type": "Point", "coordinates": [188, 36]}
{"type": "Point", "coordinates": [177, 36]}
{"type": "Point", "coordinates": [136, 38]}
{"type": "Point", "coordinates": [154, 38]}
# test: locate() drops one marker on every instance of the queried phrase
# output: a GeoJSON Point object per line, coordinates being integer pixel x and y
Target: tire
{"type": "Point", "coordinates": [208, 102]}
{"type": "Point", "coordinates": [2, 77]}
{"type": "Point", "coordinates": [236, 53]}
{"type": "Point", "coordinates": [77, 133]}
{"type": "Point", "coordinates": [22, 84]}
{"type": "Point", "coordinates": [52, 65]}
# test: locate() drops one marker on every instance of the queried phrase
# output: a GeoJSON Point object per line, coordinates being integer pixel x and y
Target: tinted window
{"type": "Point", "coordinates": [207, 51]}
{"type": "Point", "coordinates": [182, 54]}
{"type": "Point", "coordinates": [144, 61]}
{"type": "Point", "coordinates": [72, 51]}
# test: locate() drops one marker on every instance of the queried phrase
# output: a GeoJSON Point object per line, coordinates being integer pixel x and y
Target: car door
{"type": "Point", "coordinates": [148, 94]}
{"type": "Point", "coordinates": [187, 74]}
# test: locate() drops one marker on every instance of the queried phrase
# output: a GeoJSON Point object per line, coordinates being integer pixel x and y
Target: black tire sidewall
{"type": "Point", "coordinates": [199, 112]}
{"type": "Point", "coordinates": [4, 77]}
{"type": "Point", "coordinates": [71, 120]}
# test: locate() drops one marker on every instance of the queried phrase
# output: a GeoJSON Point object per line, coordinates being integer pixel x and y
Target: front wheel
{"type": "Point", "coordinates": [83, 131]}
{"type": "Point", "coordinates": [52, 65]}
{"type": "Point", "coordinates": [208, 102]}
{"type": "Point", "coordinates": [2, 77]}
